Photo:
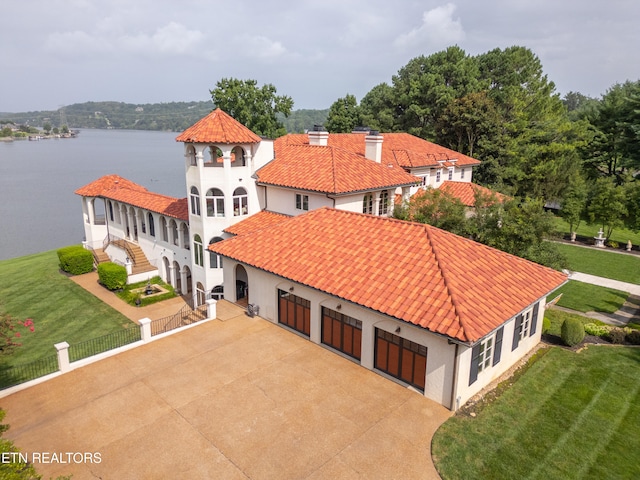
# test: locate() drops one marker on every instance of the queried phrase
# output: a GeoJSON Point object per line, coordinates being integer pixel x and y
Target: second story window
{"type": "Point", "coordinates": [438, 175]}
{"type": "Point", "coordinates": [302, 202]}
{"type": "Point", "coordinates": [367, 204]}
{"type": "Point", "coordinates": [195, 201]}
{"type": "Point", "coordinates": [240, 202]}
{"type": "Point", "coordinates": [462, 173]}
{"type": "Point", "coordinates": [450, 173]}
{"type": "Point", "coordinates": [215, 202]}
{"type": "Point", "coordinates": [384, 203]}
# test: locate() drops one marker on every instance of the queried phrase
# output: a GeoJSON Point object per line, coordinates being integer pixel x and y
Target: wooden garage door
{"type": "Point", "coordinates": [294, 312]}
{"type": "Point", "coordinates": [401, 358]}
{"type": "Point", "coordinates": [342, 332]}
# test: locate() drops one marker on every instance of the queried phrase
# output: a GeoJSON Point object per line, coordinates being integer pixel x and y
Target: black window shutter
{"type": "Point", "coordinates": [516, 332]}
{"type": "Point", "coordinates": [497, 352]}
{"type": "Point", "coordinates": [475, 355]}
{"type": "Point", "coordinates": [534, 319]}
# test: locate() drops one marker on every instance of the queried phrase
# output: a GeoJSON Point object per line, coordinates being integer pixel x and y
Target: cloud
{"type": "Point", "coordinates": [438, 28]}
{"type": "Point", "coordinates": [260, 47]}
{"type": "Point", "coordinates": [170, 39]}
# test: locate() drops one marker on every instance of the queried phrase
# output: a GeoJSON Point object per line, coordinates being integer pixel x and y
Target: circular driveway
{"type": "Point", "coordinates": [236, 397]}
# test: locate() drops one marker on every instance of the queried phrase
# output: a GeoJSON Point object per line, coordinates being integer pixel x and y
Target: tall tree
{"type": "Point", "coordinates": [255, 107]}
{"type": "Point", "coordinates": [608, 205]}
{"type": "Point", "coordinates": [344, 115]}
{"type": "Point", "coordinates": [377, 108]}
{"type": "Point", "coordinates": [574, 201]}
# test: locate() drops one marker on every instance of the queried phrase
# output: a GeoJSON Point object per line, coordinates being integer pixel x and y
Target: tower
{"type": "Point", "coordinates": [221, 156]}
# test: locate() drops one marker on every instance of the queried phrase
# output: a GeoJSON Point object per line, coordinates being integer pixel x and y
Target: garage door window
{"type": "Point", "coordinates": [342, 332]}
{"type": "Point", "coordinates": [294, 312]}
{"type": "Point", "coordinates": [401, 358]}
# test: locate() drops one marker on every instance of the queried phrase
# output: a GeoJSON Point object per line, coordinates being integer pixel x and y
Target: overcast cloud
{"type": "Point", "coordinates": [59, 52]}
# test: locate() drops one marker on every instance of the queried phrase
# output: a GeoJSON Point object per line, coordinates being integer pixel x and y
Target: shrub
{"type": "Point", "coordinates": [597, 330]}
{"type": "Point", "coordinates": [613, 244]}
{"type": "Point", "coordinates": [572, 332]}
{"type": "Point", "coordinates": [75, 260]}
{"type": "Point", "coordinates": [633, 337]}
{"type": "Point", "coordinates": [112, 275]}
{"type": "Point", "coordinates": [546, 325]}
{"type": "Point", "coordinates": [616, 335]}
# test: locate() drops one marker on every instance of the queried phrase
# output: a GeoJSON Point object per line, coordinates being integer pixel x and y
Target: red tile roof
{"type": "Point", "coordinates": [414, 272]}
{"type": "Point", "coordinates": [402, 149]}
{"type": "Point", "coordinates": [120, 189]}
{"type": "Point", "coordinates": [466, 192]}
{"type": "Point", "coordinates": [329, 170]}
{"type": "Point", "coordinates": [218, 127]}
{"type": "Point", "coordinates": [255, 222]}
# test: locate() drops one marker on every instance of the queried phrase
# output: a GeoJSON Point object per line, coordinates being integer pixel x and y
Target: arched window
{"type": "Point", "coordinates": [217, 292]}
{"type": "Point", "coordinates": [237, 157]}
{"type": "Point", "coordinates": [367, 204]}
{"type": "Point", "coordinates": [191, 156]}
{"type": "Point", "coordinates": [240, 202]}
{"type": "Point", "coordinates": [174, 232]}
{"type": "Point", "coordinates": [215, 158]}
{"type": "Point", "coordinates": [384, 203]}
{"type": "Point", "coordinates": [165, 229]}
{"type": "Point", "coordinates": [152, 225]}
{"type": "Point", "coordinates": [215, 202]}
{"type": "Point", "coordinates": [195, 201]}
{"type": "Point", "coordinates": [185, 235]}
{"type": "Point", "coordinates": [197, 250]}
{"type": "Point", "coordinates": [215, 260]}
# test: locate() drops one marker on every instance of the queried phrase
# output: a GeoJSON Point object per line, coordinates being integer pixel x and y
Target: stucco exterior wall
{"type": "Point", "coordinates": [263, 291]}
{"type": "Point", "coordinates": [283, 200]}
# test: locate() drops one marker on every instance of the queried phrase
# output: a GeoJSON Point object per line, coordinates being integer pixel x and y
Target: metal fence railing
{"type": "Point", "coordinates": [186, 316]}
{"type": "Point", "coordinates": [10, 376]}
{"type": "Point", "coordinates": [97, 345]}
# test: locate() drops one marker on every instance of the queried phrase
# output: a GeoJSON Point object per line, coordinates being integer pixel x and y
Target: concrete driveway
{"type": "Point", "coordinates": [237, 397]}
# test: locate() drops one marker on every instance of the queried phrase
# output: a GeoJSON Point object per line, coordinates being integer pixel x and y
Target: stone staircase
{"type": "Point", "coordinates": [139, 260]}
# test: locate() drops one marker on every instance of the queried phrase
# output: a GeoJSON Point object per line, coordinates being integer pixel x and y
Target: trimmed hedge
{"type": "Point", "coordinates": [572, 332]}
{"type": "Point", "coordinates": [546, 324]}
{"type": "Point", "coordinates": [112, 275]}
{"type": "Point", "coordinates": [75, 260]}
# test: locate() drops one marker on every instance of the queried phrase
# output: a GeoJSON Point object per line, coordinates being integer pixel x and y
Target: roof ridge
{"type": "Point", "coordinates": [444, 273]}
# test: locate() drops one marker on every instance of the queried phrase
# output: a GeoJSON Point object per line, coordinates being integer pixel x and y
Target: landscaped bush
{"type": "Point", "coordinates": [75, 260]}
{"type": "Point", "coordinates": [572, 332]}
{"type": "Point", "coordinates": [546, 324]}
{"type": "Point", "coordinates": [596, 330]}
{"type": "Point", "coordinates": [633, 337]}
{"type": "Point", "coordinates": [616, 335]}
{"type": "Point", "coordinates": [112, 275]}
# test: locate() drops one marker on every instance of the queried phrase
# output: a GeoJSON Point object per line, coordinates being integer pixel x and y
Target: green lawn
{"type": "Point", "coordinates": [625, 268]}
{"type": "Point", "coordinates": [32, 287]}
{"type": "Point", "coordinates": [570, 416]}
{"type": "Point", "coordinates": [620, 235]}
{"type": "Point", "coordinates": [585, 297]}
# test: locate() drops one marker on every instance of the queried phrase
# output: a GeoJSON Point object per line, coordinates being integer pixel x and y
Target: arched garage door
{"type": "Point", "coordinates": [294, 312]}
{"type": "Point", "coordinates": [401, 358]}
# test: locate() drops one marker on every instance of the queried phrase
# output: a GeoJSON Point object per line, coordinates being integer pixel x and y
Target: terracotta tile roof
{"type": "Point", "coordinates": [218, 127]}
{"type": "Point", "coordinates": [329, 170]}
{"type": "Point", "coordinates": [255, 222]}
{"type": "Point", "coordinates": [466, 192]}
{"type": "Point", "coordinates": [120, 189]}
{"type": "Point", "coordinates": [402, 149]}
{"type": "Point", "coordinates": [414, 272]}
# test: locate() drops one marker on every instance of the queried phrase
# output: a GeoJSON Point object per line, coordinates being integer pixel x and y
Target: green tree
{"type": "Point", "coordinates": [438, 208]}
{"type": "Point", "coordinates": [344, 115]}
{"type": "Point", "coordinates": [608, 205]}
{"type": "Point", "coordinates": [47, 128]}
{"type": "Point", "coordinates": [65, 129]}
{"type": "Point", "coordinates": [574, 201]}
{"type": "Point", "coordinates": [253, 106]}
{"type": "Point", "coordinates": [632, 220]}
{"type": "Point", "coordinates": [377, 108]}
{"type": "Point", "coordinates": [615, 148]}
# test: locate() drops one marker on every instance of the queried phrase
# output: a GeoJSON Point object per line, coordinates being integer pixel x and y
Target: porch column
{"type": "Point", "coordinates": [171, 276]}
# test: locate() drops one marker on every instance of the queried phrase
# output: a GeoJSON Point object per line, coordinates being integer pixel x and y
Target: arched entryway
{"type": "Point", "coordinates": [242, 286]}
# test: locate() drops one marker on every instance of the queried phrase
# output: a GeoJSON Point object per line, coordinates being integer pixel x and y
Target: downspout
{"type": "Point", "coordinates": [454, 387]}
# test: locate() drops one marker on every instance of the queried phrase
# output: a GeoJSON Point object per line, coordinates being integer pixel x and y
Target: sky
{"type": "Point", "coordinates": [60, 52]}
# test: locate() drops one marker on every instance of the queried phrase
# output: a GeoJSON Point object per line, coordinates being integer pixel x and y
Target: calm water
{"type": "Point", "coordinates": [38, 209]}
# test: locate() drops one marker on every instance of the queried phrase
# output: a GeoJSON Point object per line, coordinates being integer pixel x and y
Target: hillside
{"type": "Point", "coordinates": [173, 116]}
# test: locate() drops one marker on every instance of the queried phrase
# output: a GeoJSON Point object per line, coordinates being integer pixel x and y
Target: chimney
{"type": "Point", "coordinates": [318, 136]}
{"type": "Point", "coordinates": [373, 146]}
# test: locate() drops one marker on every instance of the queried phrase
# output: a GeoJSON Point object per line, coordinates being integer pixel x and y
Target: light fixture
{"type": "Point", "coordinates": [398, 330]}
{"type": "Point", "coordinates": [339, 306]}
{"type": "Point", "coordinates": [291, 289]}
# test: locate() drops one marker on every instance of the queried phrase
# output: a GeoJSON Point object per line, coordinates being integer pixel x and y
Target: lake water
{"type": "Point", "coordinates": [38, 209]}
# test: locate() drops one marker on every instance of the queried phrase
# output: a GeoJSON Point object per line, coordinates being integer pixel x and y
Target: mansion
{"type": "Point", "coordinates": [299, 229]}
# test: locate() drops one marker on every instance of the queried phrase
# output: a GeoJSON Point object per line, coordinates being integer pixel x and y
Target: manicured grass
{"type": "Point", "coordinates": [557, 318]}
{"type": "Point", "coordinates": [32, 287]}
{"type": "Point", "coordinates": [620, 235]}
{"type": "Point", "coordinates": [625, 268]}
{"type": "Point", "coordinates": [585, 297]}
{"type": "Point", "coordinates": [570, 416]}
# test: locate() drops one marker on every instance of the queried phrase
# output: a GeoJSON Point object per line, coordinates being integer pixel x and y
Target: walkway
{"type": "Point", "coordinates": [630, 310]}
{"type": "Point", "coordinates": [89, 281]}
{"type": "Point", "coordinates": [234, 398]}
